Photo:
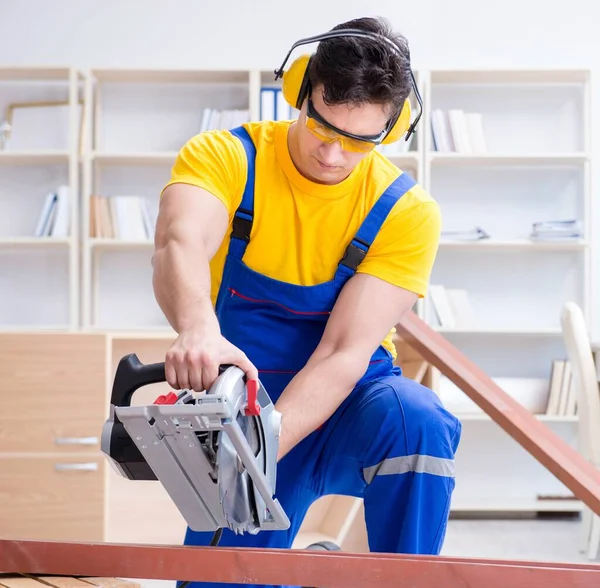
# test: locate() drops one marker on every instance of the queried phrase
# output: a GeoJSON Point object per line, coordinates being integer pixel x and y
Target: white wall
{"type": "Point", "coordinates": [257, 33]}
{"type": "Point", "coordinates": [242, 33]}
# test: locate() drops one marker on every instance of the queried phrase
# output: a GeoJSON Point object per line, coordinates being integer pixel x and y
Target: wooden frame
{"type": "Point", "coordinates": [294, 567]}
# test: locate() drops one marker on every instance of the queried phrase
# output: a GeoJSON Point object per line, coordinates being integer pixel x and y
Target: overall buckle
{"type": "Point", "coordinates": [354, 255]}
{"type": "Point", "coordinates": [242, 226]}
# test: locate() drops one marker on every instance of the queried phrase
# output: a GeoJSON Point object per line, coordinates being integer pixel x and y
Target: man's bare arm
{"type": "Point", "coordinates": [190, 228]}
{"type": "Point", "coordinates": [364, 314]}
{"type": "Point", "coordinates": [191, 225]}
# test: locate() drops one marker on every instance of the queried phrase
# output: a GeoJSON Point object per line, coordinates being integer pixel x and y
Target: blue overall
{"type": "Point", "coordinates": [390, 442]}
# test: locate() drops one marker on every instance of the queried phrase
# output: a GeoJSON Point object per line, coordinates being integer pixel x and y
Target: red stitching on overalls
{"type": "Point", "coordinates": [236, 293]}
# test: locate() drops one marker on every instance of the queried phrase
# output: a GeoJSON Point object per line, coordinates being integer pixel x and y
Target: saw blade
{"type": "Point", "coordinates": [235, 483]}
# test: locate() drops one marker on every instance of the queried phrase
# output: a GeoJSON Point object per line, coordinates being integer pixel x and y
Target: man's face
{"type": "Point", "coordinates": [328, 162]}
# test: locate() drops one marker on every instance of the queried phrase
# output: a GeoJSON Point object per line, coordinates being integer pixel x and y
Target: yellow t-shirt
{"type": "Point", "coordinates": [301, 228]}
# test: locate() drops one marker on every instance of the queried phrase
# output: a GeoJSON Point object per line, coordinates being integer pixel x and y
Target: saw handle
{"type": "Point", "coordinates": [132, 374]}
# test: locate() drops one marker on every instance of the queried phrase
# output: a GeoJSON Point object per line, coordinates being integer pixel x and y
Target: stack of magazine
{"type": "Point", "coordinates": [473, 234]}
{"type": "Point", "coordinates": [557, 230]}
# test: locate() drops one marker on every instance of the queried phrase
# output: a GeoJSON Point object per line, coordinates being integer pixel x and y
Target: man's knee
{"type": "Point", "coordinates": [413, 417]}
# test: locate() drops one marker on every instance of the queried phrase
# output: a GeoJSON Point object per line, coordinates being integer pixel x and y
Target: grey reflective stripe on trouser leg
{"type": "Point", "coordinates": [421, 464]}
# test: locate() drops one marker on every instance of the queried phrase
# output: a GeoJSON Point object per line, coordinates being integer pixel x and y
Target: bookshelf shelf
{"type": "Point", "coordinates": [99, 244]}
{"type": "Point", "coordinates": [171, 76]}
{"type": "Point", "coordinates": [148, 158]}
{"type": "Point", "coordinates": [33, 157]}
{"type": "Point", "coordinates": [493, 77]}
{"type": "Point", "coordinates": [516, 245]}
{"type": "Point", "coordinates": [41, 242]}
{"type": "Point", "coordinates": [26, 73]}
{"type": "Point", "coordinates": [504, 159]}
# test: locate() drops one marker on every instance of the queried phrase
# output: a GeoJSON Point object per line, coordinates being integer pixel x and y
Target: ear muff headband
{"type": "Point", "coordinates": [295, 81]}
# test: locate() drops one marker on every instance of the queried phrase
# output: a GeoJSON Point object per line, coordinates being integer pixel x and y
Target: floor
{"type": "Point", "coordinates": [553, 539]}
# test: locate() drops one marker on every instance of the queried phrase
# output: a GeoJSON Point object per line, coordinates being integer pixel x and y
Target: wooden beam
{"type": "Point", "coordinates": [284, 566]}
{"type": "Point", "coordinates": [567, 464]}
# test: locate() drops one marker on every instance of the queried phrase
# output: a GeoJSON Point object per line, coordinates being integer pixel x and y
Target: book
{"type": "Point", "coordinates": [55, 216]}
{"type": "Point", "coordinates": [459, 131]}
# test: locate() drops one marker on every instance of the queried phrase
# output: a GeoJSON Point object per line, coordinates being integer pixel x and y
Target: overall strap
{"type": "Point", "coordinates": [244, 215]}
{"type": "Point", "coordinates": [359, 246]}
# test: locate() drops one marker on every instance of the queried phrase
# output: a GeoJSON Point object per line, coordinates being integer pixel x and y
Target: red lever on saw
{"type": "Point", "coordinates": [170, 398]}
{"type": "Point", "coordinates": [252, 407]}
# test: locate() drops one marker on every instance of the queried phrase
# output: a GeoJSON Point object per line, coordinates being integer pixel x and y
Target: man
{"type": "Point", "coordinates": [291, 249]}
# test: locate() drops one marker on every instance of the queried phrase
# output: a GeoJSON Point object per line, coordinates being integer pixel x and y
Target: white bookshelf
{"type": "Point", "coordinates": [536, 167]}
{"type": "Point", "coordinates": [39, 276]}
{"type": "Point", "coordinates": [140, 120]}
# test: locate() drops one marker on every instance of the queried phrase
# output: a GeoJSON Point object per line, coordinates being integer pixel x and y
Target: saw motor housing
{"type": "Point", "coordinates": [215, 452]}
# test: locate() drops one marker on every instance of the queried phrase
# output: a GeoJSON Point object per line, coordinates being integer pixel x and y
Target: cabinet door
{"type": "Point", "coordinates": [52, 497]}
{"type": "Point", "coordinates": [141, 511]}
{"type": "Point", "coordinates": [53, 390]}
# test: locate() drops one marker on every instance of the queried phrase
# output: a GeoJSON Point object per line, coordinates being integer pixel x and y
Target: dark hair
{"type": "Point", "coordinates": [358, 70]}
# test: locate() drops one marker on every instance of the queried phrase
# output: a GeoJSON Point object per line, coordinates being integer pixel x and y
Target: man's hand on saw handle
{"type": "Point", "coordinates": [194, 359]}
{"type": "Point", "coordinates": [190, 228]}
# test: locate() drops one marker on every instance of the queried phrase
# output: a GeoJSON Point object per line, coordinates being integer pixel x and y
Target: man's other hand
{"type": "Point", "coordinates": [194, 359]}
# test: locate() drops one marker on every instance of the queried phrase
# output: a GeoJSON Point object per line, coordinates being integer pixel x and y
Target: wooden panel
{"type": "Point", "coordinates": [566, 463]}
{"type": "Point", "coordinates": [333, 569]}
{"type": "Point", "coordinates": [310, 529]}
{"type": "Point", "coordinates": [53, 392]}
{"type": "Point", "coordinates": [14, 581]}
{"type": "Point", "coordinates": [54, 497]}
{"type": "Point", "coordinates": [339, 517]}
{"type": "Point", "coordinates": [141, 512]}
{"type": "Point", "coordinates": [357, 540]}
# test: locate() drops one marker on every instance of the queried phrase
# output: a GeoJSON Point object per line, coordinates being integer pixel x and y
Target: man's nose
{"type": "Point", "coordinates": [331, 152]}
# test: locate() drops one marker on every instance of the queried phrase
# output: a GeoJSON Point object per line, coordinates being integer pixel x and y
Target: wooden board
{"type": "Point", "coordinates": [332, 569]}
{"type": "Point", "coordinates": [565, 462]}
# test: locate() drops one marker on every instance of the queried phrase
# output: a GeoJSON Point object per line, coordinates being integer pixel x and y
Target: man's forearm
{"type": "Point", "coordinates": [314, 394]}
{"type": "Point", "coordinates": [181, 282]}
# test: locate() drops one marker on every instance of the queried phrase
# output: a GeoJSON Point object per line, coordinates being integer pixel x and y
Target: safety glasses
{"type": "Point", "coordinates": [327, 133]}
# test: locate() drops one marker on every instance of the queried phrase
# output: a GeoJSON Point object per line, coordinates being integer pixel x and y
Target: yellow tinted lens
{"type": "Point", "coordinates": [357, 146]}
{"type": "Point", "coordinates": [328, 135]}
{"type": "Point", "coordinates": [321, 131]}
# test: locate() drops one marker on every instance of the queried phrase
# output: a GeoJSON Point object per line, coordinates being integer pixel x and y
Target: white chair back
{"type": "Point", "coordinates": [583, 372]}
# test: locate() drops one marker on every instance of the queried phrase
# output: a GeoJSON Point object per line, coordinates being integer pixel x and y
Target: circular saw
{"type": "Point", "coordinates": [215, 452]}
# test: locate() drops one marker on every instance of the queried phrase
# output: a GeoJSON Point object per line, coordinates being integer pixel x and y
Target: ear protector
{"type": "Point", "coordinates": [295, 82]}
